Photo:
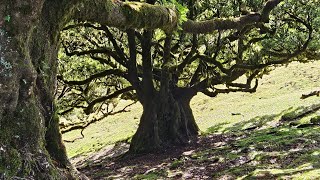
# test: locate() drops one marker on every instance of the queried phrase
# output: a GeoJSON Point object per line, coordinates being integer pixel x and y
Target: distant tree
{"type": "Point", "coordinates": [30, 141]}
{"type": "Point", "coordinates": [165, 69]}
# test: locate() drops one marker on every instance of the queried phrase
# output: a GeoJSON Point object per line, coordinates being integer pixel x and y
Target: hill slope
{"type": "Point", "coordinates": [276, 92]}
{"type": "Point", "coordinates": [264, 135]}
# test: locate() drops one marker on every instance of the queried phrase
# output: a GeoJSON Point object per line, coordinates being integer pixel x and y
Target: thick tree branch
{"type": "Point", "coordinates": [220, 24]}
{"type": "Point", "coordinates": [132, 64]}
{"type": "Point", "coordinates": [147, 76]}
{"type": "Point", "coordinates": [231, 23]}
{"type": "Point", "coordinates": [270, 5]}
{"type": "Point", "coordinates": [166, 79]}
{"type": "Point", "coordinates": [136, 15]}
{"type": "Point", "coordinates": [127, 15]}
{"type": "Point", "coordinates": [242, 88]}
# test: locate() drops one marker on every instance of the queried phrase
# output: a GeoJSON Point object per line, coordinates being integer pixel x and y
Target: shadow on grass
{"type": "Point", "coordinates": [254, 123]}
{"type": "Point", "coordinates": [271, 147]}
{"type": "Point", "coordinates": [265, 147]}
{"type": "Point", "coordinates": [273, 152]}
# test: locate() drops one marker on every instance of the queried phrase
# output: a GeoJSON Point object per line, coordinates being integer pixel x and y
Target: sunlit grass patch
{"type": "Point", "coordinates": [109, 131]}
{"type": "Point", "coordinates": [306, 175]}
{"type": "Point", "coordinates": [278, 91]}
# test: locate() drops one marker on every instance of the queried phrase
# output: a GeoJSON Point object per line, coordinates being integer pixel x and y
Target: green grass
{"type": "Point", "coordinates": [277, 92]}
{"type": "Point", "coordinates": [272, 152]}
{"type": "Point", "coordinates": [106, 132]}
{"type": "Point", "coordinates": [277, 155]}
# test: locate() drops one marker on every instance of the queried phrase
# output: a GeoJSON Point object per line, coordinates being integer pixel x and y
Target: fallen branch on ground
{"type": "Point", "coordinates": [313, 93]}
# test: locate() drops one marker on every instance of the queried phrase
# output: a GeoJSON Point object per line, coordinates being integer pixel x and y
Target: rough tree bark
{"type": "Point", "coordinates": [167, 120]}
{"type": "Point", "coordinates": [30, 141]}
{"type": "Point", "coordinates": [167, 117]}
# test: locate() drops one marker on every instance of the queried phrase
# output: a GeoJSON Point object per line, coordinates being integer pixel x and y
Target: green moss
{"type": "Point", "coordinates": [20, 125]}
{"type": "Point", "coordinates": [54, 144]}
{"type": "Point", "coordinates": [135, 14]}
{"type": "Point", "coordinates": [29, 123]}
{"type": "Point", "coordinates": [291, 115]}
{"type": "Point", "coordinates": [10, 162]}
{"type": "Point", "coordinates": [175, 164]}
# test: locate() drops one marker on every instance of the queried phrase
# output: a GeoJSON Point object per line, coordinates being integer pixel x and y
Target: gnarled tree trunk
{"type": "Point", "coordinates": [167, 120]}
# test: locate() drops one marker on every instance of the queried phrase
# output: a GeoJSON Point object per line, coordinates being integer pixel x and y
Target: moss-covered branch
{"type": "Point", "coordinates": [136, 15]}
{"type": "Point", "coordinates": [220, 24]}
{"type": "Point", "coordinates": [126, 15]}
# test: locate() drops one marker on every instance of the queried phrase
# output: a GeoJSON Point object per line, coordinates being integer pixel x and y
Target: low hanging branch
{"type": "Point", "coordinates": [239, 88]}
{"type": "Point", "coordinates": [83, 126]}
{"type": "Point", "coordinates": [116, 72]}
{"type": "Point", "coordinates": [115, 94]}
{"type": "Point", "coordinates": [104, 50]}
{"type": "Point", "coordinates": [220, 24]}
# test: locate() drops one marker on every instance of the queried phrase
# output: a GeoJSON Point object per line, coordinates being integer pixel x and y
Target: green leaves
{"type": "Point", "coordinates": [181, 9]}
{"type": "Point", "coordinates": [7, 18]}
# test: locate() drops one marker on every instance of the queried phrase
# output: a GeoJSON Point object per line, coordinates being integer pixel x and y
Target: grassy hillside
{"type": "Point", "coordinates": [277, 92]}
{"type": "Point", "coordinates": [260, 150]}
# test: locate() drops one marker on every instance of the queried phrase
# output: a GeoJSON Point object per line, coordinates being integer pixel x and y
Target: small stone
{"type": "Point", "coordinates": [188, 153]}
